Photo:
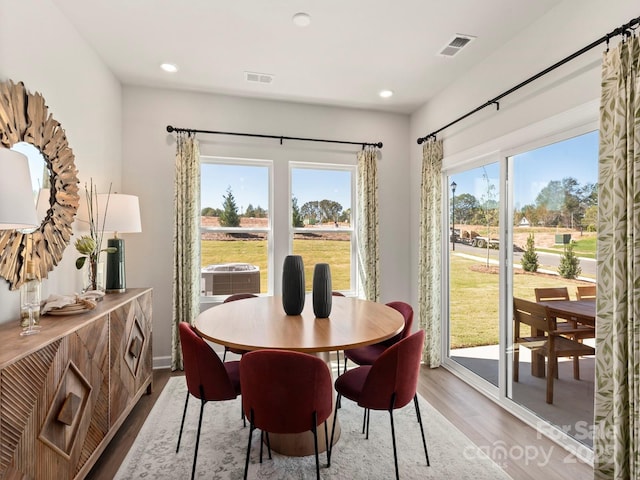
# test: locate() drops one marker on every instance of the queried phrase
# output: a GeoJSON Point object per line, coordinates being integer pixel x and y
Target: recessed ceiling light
{"type": "Point", "coordinates": [169, 67]}
{"type": "Point", "coordinates": [385, 93]}
{"type": "Point", "coordinates": [301, 19]}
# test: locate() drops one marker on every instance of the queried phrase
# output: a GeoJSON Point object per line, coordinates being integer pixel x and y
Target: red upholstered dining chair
{"type": "Point", "coordinates": [233, 298]}
{"type": "Point", "coordinates": [367, 355]}
{"type": "Point", "coordinates": [208, 378]}
{"type": "Point", "coordinates": [285, 392]}
{"type": "Point", "coordinates": [389, 384]}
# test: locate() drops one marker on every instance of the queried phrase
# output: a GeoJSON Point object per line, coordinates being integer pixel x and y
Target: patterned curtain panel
{"type": "Point", "coordinates": [430, 266]}
{"type": "Point", "coordinates": [186, 240]}
{"type": "Point", "coordinates": [617, 396]}
{"type": "Point", "coordinates": [368, 248]}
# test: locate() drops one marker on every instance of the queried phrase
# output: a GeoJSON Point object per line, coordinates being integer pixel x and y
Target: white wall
{"type": "Point", "coordinates": [148, 171]}
{"type": "Point", "coordinates": [570, 26]}
{"type": "Point", "coordinates": [39, 48]}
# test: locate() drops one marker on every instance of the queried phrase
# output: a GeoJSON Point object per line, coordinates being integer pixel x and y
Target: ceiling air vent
{"type": "Point", "coordinates": [254, 77]}
{"type": "Point", "coordinates": [456, 44]}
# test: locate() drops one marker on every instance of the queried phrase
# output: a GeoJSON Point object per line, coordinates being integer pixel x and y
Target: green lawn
{"type": "Point", "coordinates": [585, 247]}
{"type": "Point", "coordinates": [474, 300]}
{"type": "Point", "coordinates": [336, 253]}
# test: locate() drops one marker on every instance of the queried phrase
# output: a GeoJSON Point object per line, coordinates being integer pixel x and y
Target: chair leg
{"type": "Point", "coordinates": [269, 446]}
{"type": "Point", "coordinates": [516, 362]}
{"type": "Point", "coordinates": [344, 368]}
{"type": "Point", "coordinates": [315, 443]}
{"type": "Point", "coordinates": [552, 363]}
{"type": "Point", "coordinates": [246, 462]}
{"type": "Point", "coordinates": [195, 454]}
{"type": "Point", "coordinates": [184, 414]}
{"type": "Point", "coordinates": [393, 435]}
{"type": "Point", "coordinates": [576, 367]}
{"type": "Point", "coordinates": [333, 430]}
{"type": "Point", "coordinates": [424, 441]}
{"type": "Point", "coordinates": [261, 443]}
{"type": "Point", "coordinates": [224, 355]}
{"type": "Point", "coordinates": [326, 442]}
{"type": "Point", "coordinates": [368, 419]}
{"type": "Point", "coordinates": [338, 360]}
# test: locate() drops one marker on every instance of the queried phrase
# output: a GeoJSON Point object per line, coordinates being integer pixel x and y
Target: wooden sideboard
{"type": "Point", "coordinates": [65, 391]}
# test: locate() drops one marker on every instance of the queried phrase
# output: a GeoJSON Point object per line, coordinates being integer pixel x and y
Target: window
{"type": "Point", "coordinates": [235, 226]}
{"type": "Point", "coordinates": [322, 219]}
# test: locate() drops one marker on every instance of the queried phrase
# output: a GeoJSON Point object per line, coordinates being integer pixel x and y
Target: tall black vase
{"type": "Point", "coordinates": [322, 290]}
{"type": "Point", "coordinates": [293, 288]}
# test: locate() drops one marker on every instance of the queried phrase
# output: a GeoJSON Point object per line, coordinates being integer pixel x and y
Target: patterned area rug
{"type": "Point", "coordinates": [223, 445]}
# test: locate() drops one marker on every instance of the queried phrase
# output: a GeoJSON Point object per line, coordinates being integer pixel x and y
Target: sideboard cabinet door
{"type": "Point", "coordinates": [55, 406]}
{"type": "Point", "coordinates": [131, 360]}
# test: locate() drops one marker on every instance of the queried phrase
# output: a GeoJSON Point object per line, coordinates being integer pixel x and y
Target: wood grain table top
{"type": "Point", "coordinates": [583, 311]}
{"type": "Point", "coordinates": [257, 323]}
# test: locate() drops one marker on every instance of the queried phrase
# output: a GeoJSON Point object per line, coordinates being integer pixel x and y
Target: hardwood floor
{"type": "Point", "coordinates": [528, 455]}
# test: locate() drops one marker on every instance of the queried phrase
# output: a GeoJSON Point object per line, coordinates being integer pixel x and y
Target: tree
{"type": "Point", "coordinates": [209, 212]}
{"type": "Point", "coordinates": [551, 196]}
{"type": "Point", "coordinates": [590, 219]}
{"type": "Point", "coordinates": [466, 206]}
{"type": "Point", "coordinates": [311, 211]}
{"type": "Point", "coordinates": [296, 218]}
{"type": "Point", "coordinates": [229, 217]}
{"type": "Point", "coordinates": [260, 212]}
{"type": "Point", "coordinates": [569, 264]}
{"type": "Point", "coordinates": [250, 212]}
{"type": "Point", "coordinates": [530, 257]}
{"type": "Point", "coordinates": [489, 208]}
{"type": "Point", "coordinates": [329, 210]}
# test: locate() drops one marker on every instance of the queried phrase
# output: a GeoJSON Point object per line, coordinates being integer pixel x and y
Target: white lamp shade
{"type": "Point", "coordinates": [123, 213]}
{"type": "Point", "coordinates": [43, 204]}
{"type": "Point", "coordinates": [17, 205]}
{"type": "Point", "coordinates": [116, 211]}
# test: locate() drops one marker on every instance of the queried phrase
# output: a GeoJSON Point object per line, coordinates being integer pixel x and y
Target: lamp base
{"type": "Point", "coordinates": [116, 281]}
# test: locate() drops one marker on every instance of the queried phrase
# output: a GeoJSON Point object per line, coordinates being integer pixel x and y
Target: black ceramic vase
{"type": "Point", "coordinates": [293, 289]}
{"type": "Point", "coordinates": [322, 290]}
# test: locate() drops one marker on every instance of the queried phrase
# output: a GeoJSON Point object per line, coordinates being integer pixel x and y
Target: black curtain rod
{"type": "Point", "coordinates": [622, 30]}
{"type": "Point", "coordinates": [280, 137]}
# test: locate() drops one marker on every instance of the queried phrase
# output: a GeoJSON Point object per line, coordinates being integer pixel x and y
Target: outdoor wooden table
{"type": "Point", "coordinates": [582, 311]}
{"type": "Point", "coordinates": [261, 323]}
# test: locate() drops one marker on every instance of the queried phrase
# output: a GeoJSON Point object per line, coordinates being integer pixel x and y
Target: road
{"type": "Point", "coordinates": [548, 261]}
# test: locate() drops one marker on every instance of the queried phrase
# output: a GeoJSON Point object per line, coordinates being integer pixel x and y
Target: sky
{"type": "Point", "coordinates": [249, 185]}
{"type": "Point", "coordinates": [576, 157]}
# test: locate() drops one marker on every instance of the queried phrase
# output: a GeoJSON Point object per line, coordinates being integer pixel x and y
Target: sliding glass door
{"type": "Point", "coordinates": [474, 294]}
{"type": "Point", "coordinates": [524, 222]}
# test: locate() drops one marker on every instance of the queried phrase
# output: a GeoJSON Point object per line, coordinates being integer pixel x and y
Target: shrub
{"type": "Point", "coordinates": [530, 257]}
{"type": "Point", "coordinates": [569, 264]}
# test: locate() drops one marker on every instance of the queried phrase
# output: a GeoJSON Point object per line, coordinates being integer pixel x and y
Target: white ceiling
{"type": "Point", "coordinates": [351, 50]}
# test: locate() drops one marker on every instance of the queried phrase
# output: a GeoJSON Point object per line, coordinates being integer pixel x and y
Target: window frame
{"type": "Point", "coordinates": [248, 162]}
{"type": "Point", "coordinates": [352, 168]}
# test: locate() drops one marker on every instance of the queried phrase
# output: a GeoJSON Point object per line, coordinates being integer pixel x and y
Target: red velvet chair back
{"type": "Point", "coordinates": [203, 368]}
{"type": "Point", "coordinates": [238, 296]}
{"type": "Point", "coordinates": [283, 388]}
{"type": "Point", "coordinates": [396, 370]}
{"type": "Point", "coordinates": [407, 312]}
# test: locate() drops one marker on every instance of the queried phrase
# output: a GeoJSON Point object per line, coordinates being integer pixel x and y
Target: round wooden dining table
{"type": "Point", "coordinates": [261, 323]}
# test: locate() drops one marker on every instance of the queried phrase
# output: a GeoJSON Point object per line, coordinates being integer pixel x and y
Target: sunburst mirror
{"type": "Point", "coordinates": [24, 117]}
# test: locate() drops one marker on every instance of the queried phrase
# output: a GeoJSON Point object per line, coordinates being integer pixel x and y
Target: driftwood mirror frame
{"type": "Point", "coordinates": [24, 117]}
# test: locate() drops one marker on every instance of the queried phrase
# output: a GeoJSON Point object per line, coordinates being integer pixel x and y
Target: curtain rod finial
{"type": "Point", "coordinates": [170, 128]}
{"type": "Point", "coordinates": [379, 145]}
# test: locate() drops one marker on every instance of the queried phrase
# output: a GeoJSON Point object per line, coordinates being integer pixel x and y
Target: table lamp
{"type": "Point", "coordinates": [17, 205]}
{"type": "Point", "coordinates": [123, 216]}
